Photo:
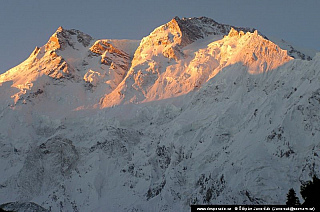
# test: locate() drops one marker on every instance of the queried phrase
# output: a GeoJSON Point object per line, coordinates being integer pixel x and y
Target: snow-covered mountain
{"type": "Point", "coordinates": [197, 112]}
{"type": "Point", "coordinates": [71, 70]}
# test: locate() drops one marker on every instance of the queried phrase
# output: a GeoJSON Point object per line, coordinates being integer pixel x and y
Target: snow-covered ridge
{"type": "Point", "coordinates": [71, 55]}
{"type": "Point", "coordinates": [70, 65]}
{"type": "Point", "coordinates": [294, 51]}
{"type": "Point", "coordinates": [154, 75]}
{"type": "Point", "coordinates": [196, 113]}
{"type": "Point", "coordinates": [179, 33]}
{"type": "Point", "coordinates": [193, 29]}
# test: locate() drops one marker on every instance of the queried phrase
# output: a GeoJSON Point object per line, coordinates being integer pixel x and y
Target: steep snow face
{"type": "Point", "coordinates": [158, 73]}
{"type": "Point", "coordinates": [241, 138]}
{"type": "Point", "coordinates": [71, 70]}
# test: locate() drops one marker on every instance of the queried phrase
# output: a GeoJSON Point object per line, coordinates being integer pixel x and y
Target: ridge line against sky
{"type": "Point", "coordinates": [26, 24]}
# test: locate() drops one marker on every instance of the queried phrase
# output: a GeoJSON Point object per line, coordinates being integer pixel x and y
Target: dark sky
{"type": "Point", "coordinates": [29, 23]}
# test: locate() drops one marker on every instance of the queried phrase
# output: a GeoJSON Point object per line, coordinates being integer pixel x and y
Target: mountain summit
{"type": "Point", "coordinates": [63, 38]}
{"type": "Point", "coordinates": [182, 55]}
{"type": "Point", "coordinates": [69, 67]}
{"type": "Point", "coordinates": [196, 112]}
{"type": "Point", "coordinates": [105, 69]}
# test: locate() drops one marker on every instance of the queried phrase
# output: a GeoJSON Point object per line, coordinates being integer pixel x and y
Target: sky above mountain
{"type": "Point", "coordinates": [26, 24]}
